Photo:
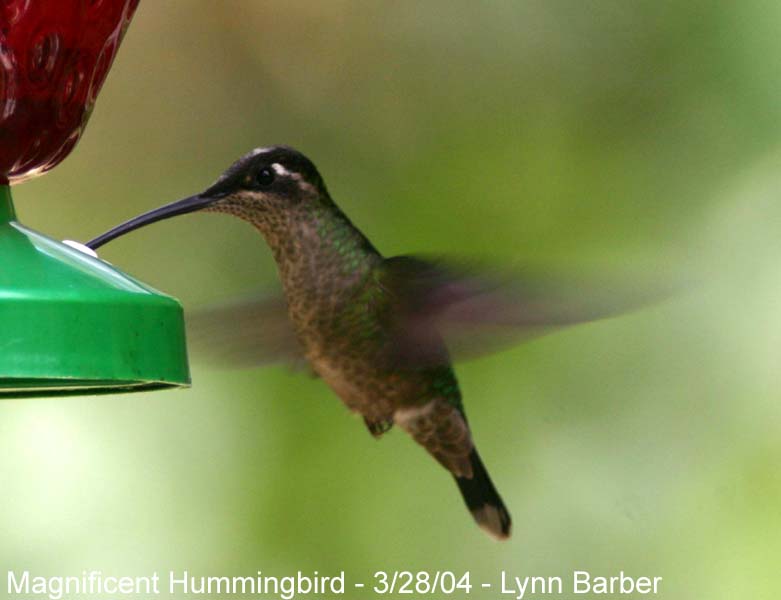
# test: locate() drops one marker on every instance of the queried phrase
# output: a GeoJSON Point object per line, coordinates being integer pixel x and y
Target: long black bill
{"type": "Point", "coordinates": [180, 207]}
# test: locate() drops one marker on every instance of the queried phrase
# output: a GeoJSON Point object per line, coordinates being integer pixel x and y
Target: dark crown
{"type": "Point", "coordinates": [289, 158]}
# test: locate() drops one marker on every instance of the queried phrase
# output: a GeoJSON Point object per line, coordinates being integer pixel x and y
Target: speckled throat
{"type": "Point", "coordinates": [321, 256]}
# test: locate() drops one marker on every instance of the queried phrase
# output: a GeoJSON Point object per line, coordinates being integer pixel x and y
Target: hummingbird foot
{"type": "Point", "coordinates": [378, 428]}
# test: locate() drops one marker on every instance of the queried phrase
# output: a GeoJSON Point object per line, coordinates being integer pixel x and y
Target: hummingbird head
{"type": "Point", "coordinates": [265, 181]}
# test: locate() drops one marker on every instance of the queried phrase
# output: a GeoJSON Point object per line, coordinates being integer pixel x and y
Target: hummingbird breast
{"type": "Point", "coordinates": [347, 345]}
{"type": "Point", "coordinates": [341, 313]}
{"type": "Point", "coordinates": [341, 319]}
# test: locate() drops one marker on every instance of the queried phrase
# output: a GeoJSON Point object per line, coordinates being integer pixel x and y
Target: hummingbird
{"type": "Point", "coordinates": [374, 328]}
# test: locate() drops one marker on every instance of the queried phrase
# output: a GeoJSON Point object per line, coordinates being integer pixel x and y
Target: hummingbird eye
{"type": "Point", "coordinates": [264, 177]}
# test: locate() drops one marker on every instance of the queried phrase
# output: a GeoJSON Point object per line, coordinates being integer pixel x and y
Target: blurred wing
{"type": "Point", "coordinates": [477, 311]}
{"type": "Point", "coordinates": [244, 334]}
{"type": "Point", "coordinates": [434, 311]}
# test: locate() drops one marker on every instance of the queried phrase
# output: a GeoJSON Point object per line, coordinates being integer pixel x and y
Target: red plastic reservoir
{"type": "Point", "coordinates": [54, 57]}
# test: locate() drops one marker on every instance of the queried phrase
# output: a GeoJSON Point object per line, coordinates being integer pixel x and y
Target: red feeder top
{"type": "Point", "coordinates": [54, 57]}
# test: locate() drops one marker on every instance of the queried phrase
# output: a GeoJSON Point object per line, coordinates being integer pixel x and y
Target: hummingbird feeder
{"type": "Point", "coordinates": [70, 323]}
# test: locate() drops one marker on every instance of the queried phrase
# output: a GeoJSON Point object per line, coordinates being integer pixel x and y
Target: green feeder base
{"type": "Point", "coordinates": [73, 324]}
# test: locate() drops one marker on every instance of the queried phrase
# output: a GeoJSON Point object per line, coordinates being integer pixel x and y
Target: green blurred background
{"type": "Point", "coordinates": [642, 136]}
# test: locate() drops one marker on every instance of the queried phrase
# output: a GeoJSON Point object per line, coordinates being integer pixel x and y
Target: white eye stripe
{"type": "Point", "coordinates": [280, 170]}
{"type": "Point", "coordinates": [297, 177]}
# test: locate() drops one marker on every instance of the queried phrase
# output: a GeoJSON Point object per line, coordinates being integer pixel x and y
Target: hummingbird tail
{"type": "Point", "coordinates": [483, 501]}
